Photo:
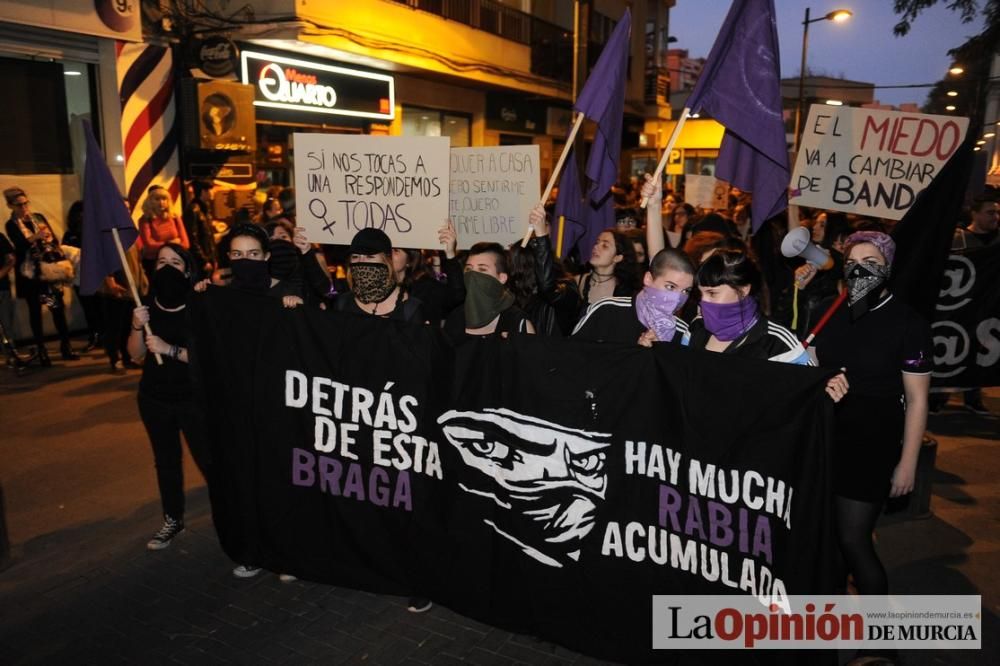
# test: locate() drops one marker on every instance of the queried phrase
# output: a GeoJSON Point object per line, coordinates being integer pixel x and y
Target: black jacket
{"type": "Point", "coordinates": [554, 309]}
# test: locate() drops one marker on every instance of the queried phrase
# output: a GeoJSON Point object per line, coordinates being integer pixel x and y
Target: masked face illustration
{"type": "Point", "coordinates": [546, 476]}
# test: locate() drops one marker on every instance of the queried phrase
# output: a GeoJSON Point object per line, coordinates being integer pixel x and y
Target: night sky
{"type": "Point", "coordinates": [862, 48]}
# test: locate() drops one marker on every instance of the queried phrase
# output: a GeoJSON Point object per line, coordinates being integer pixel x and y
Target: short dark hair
{"type": "Point", "coordinates": [733, 268]}
{"type": "Point", "coordinates": [199, 186]}
{"type": "Point", "coordinates": [252, 231]}
{"type": "Point", "coordinates": [279, 222]}
{"type": "Point", "coordinates": [496, 249]}
{"type": "Point", "coordinates": [12, 193]}
{"type": "Point", "coordinates": [192, 269]}
{"type": "Point", "coordinates": [670, 258]}
{"type": "Point", "coordinates": [977, 204]}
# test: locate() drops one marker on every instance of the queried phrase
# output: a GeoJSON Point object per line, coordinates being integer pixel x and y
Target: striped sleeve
{"type": "Point", "coordinates": [792, 350]}
{"type": "Point", "coordinates": [619, 301]}
{"type": "Point", "coordinates": [684, 331]}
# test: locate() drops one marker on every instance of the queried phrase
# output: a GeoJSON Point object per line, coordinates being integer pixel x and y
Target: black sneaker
{"type": "Point", "coordinates": [978, 408]}
{"type": "Point", "coordinates": [162, 539]}
{"type": "Point", "coordinates": [418, 605]}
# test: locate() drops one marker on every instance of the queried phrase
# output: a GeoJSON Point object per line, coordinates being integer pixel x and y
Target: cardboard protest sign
{"type": "Point", "coordinates": [869, 161]}
{"type": "Point", "coordinates": [344, 183]}
{"type": "Point", "coordinates": [492, 191]}
{"type": "Point", "coordinates": [706, 192]}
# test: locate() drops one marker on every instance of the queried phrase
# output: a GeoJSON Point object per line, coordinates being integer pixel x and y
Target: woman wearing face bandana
{"type": "Point", "coordinates": [651, 315]}
{"type": "Point", "coordinates": [886, 349]}
{"type": "Point", "coordinates": [165, 403]}
{"type": "Point", "coordinates": [251, 254]}
{"type": "Point", "coordinates": [731, 321]}
{"type": "Point", "coordinates": [490, 307]}
{"type": "Point", "coordinates": [374, 288]}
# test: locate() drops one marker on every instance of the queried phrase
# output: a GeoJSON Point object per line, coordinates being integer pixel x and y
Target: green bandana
{"type": "Point", "coordinates": [485, 298]}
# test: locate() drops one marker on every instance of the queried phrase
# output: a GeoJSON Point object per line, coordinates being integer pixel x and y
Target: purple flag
{"type": "Point", "coordinates": [740, 88]}
{"type": "Point", "coordinates": [603, 101]}
{"type": "Point", "coordinates": [569, 205]}
{"type": "Point", "coordinates": [584, 221]}
{"type": "Point", "coordinates": [103, 210]}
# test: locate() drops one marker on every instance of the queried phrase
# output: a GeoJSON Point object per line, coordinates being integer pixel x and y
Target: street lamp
{"type": "Point", "coordinates": [956, 70]}
{"type": "Point", "coordinates": [838, 16]}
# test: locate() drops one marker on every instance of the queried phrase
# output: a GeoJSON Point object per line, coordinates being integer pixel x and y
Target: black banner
{"type": "Point", "coordinates": [967, 321]}
{"type": "Point", "coordinates": [545, 486]}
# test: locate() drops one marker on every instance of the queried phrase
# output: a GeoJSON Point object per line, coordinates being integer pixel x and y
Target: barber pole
{"type": "Point", "coordinates": [146, 90]}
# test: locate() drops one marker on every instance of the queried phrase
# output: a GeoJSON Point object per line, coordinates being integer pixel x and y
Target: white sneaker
{"type": "Point", "coordinates": [287, 578]}
{"type": "Point", "coordinates": [246, 571]}
{"type": "Point", "coordinates": [418, 605]}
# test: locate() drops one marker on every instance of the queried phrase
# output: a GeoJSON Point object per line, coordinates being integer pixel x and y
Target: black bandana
{"type": "Point", "coordinates": [170, 286]}
{"type": "Point", "coordinates": [250, 275]}
{"type": "Point", "coordinates": [864, 286]}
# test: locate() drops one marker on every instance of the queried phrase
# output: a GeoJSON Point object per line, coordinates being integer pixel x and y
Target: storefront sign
{"type": "Point", "coordinates": [114, 19]}
{"type": "Point", "coordinates": [295, 89]}
{"type": "Point", "coordinates": [869, 161]}
{"type": "Point", "coordinates": [345, 182]}
{"type": "Point", "coordinates": [492, 191]}
{"type": "Point", "coordinates": [507, 113]}
{"type": "Point", "coordinates": [217, 56]}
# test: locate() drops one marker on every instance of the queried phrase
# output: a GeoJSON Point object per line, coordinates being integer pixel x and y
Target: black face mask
{"type": "Point", "coordinates": [284, 261]}
{"type": "Point", "coordinates": [170, 286]}
{"type": "Point", "coordinates": [865, 283]}
{"type": "Point", "coordinates": [250, 275]}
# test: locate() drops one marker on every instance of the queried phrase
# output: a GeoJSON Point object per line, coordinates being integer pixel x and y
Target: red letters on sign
{"type": "Point", "coordinates": [902, 138]}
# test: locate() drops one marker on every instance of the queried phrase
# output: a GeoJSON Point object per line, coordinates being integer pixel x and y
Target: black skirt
{"type": "Point", "coordinates": [867, 445]}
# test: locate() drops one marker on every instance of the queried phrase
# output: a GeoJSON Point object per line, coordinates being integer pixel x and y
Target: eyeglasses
{"type": "Point", "coordinates": [249, 254]}
{"type": "Point", "coordinates": [20, 204]}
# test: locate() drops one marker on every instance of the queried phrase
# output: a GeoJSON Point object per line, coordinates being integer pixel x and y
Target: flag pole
{"type": "Point", "coordinates": [556, 171]}
{"type": "Point", "coordinates": [559, 236]}
{"type": "Point", "coordinates": [825, 318]}
{"type": "Point", "coordinates": [670, 146]}
{"type": "Point", "coordinates": [131, 283]}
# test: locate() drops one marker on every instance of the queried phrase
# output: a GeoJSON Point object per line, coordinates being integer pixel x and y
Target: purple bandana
{"type": "Point", "coordinates": [882, 241]}
{"type": "Point", "coordinates": [728, 321]}
{"type": "Point", "coordinates": [655, 309]}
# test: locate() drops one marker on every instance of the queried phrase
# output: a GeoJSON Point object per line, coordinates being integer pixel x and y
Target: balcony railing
{"type": "Point", "coordinates": [551, 46]}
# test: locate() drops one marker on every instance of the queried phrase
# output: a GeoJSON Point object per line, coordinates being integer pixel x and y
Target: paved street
{"type": "Point", "coordinates": [81, 501]}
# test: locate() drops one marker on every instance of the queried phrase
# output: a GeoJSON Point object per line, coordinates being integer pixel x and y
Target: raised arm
{"type": "Point", "coordinates": [653, 192]}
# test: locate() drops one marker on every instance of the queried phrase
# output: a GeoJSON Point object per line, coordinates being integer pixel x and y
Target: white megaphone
{"type": "Point", "coordinates": [798, 243]}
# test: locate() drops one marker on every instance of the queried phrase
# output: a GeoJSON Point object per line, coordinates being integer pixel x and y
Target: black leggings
{"type": "Point", "coordinates": [855, 522]}
{"type": "Point", "coordinates": [34, 302]}
{"type": "Point", "coordinates": [165, 421]}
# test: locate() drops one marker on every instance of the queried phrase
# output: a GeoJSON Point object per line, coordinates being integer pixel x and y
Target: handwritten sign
{"type": "Point", "coordinates": [492, 191]}
{"type": "Point", "coordinates": [869, 161]}
{"type": "Point", "coordinates": [706, 192]}
{"type": "Point", "coordinates": [344, 183]}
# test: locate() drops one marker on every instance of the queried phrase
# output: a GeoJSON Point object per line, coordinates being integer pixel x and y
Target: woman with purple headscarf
{"type": "Point", "coordinates": [885, 349]}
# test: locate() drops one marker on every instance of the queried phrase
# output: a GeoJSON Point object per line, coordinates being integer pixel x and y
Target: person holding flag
{"type": "Point", "coordinates": [166, 405]}
{"type": "Point", "coordinates": [165, 398]}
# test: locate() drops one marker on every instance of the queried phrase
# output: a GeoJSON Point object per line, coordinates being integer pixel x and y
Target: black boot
{"type": "Point", "coordinates": [43, 357]}
{"type": "Point", "coordinates": [67, 352]}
